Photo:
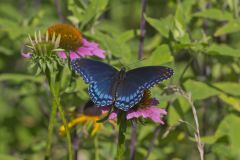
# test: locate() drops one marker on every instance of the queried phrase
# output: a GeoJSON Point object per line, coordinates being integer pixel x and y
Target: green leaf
{"type": "Point", "coordinates": [10, 12]}
{"type": "Point", "coordinates": [230, 27]}
{"type": "Point", "coordinates": [8, 157]}
{"type": "Point", "coordinates": [173, 116]}
{"type": "Point", "coordinates": [114, 46]}
{"type": "Point", "coordinates": [178, 110]}
{"type": "Point", "coordinates": [223, 49]}
{"type": "Point", "coordinates": [20, 78]}
{"type": "Point", "coordinates": [215, 14]}
{"type": "Point", "coordinates": [88, 12]}
{"type": "Point", "coordinates": [234, 102]}
{"type": "Point", "coordinates": [163, 26]}
{"type": "Point", "coordinates": [5, 51]}
{"type": "Point", "coordinates": [229, 127]}
{"type": "Point", "coordinates": [200, 90]}
{"type": "Point", "coordinates": [127, 35]}
{"type": "Point", "coordinates": [186, 8]}
{"type": "Point", "coordinates": [160, 55]}
{"type": "Point", "coordinates": [229, 87]}
{"type": "Point", "coordinates": [211, 139]}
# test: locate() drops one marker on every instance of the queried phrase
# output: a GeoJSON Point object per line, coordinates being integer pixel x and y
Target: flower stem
{"type": "Point", "coordinates": [65, 123]}
{"type": "Point", "coordinates": [50, 129]}
{"type": "Point", "coordinates": [121, 135]}
{"type": "Point", "coordinates": [55, 88]}
{"type": "Point", "coordinates": [52, 117]}
{"type": "Point", "coordinates": [96, 148]}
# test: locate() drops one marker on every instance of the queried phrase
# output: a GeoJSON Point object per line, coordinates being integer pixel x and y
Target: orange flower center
{"type": "Point", "coordinates": [71, 37]}
{"type": "Point", "coordinates": [145, 101]}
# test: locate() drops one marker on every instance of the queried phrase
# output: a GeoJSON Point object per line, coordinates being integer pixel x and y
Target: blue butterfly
{"type": "Point", "coordinates": [108, 86]}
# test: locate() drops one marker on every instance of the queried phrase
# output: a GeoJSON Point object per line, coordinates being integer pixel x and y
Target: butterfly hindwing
{"type": "Point", "coordinates": [128, 94]}
{"type": "Point", "coordinates": [131, 90]}
{"type": "Point", "coordinates": [100, 92]}
{"type": "Point", "coordinates": [100, 77]}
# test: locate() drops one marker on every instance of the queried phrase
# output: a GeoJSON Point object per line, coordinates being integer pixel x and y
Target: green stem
{"type": "Point", "coordinates": [121, 135]}
{"type": "Point", "coordinates": [52, 117]}
{"type": "Point", "coordinates": [96, 147]}
{"type": "Point", "coordinates": [55, 92]}
{"type": "Point", "coordinates": [50, 129]}
{"type": "Point", "coordinates": [65, 123]}
{"type": "Point", "coordinates": [236, 11]}
{"type": "Point", "coordinates": [55, 88]}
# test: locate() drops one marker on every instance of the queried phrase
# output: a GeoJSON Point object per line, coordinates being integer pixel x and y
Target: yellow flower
{"type": "Point", "coordinates": [91, 114]}
{"type": "Point", "coordinates": [82, 118]}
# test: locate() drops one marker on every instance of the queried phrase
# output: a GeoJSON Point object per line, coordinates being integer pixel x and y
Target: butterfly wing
{"type": "Point", "coordinates": [99, 76]}
{"type": "Point", "coordinates": [91, 70]}
{"type": "Point", "coordinates": [131, 90]}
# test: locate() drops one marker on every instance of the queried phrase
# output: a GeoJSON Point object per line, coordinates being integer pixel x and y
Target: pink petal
{"type": "Point", "coordinates": [91, 49]}
{"type": "Point", "coordinates": [99, 53]}
{"type": "Point", "coordinates": [73, 55]}
{"type": "Point", "coordinates": [113, 115]}
{"type": "Point", "coordinates": [26, 55]}
{"type": "Point", "coordinates": [86, 43]}
{"type": "Point", "coordinates": [83, 51]}
{"type": "Point", "coordinates": [62, 55]}
{"type": "Point", "coordinates": [153, 113]}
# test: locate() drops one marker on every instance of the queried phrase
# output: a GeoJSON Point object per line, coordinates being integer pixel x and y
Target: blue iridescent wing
{"type": "Point", "coordinates": [100, 77]}
{"type": "Point", "coordinates": [92, 70]}
{"type": "Point", "coordinates": [131, 90]}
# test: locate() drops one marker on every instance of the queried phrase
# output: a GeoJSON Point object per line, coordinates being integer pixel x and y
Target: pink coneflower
{"type": "Point", "coordinates": [70, 42]}
{"type": "Point", "coordinates": [146, 108]}
{"type": "Point", "coordinates": [73, 43]}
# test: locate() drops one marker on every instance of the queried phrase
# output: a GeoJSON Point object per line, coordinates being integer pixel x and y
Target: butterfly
{"type": "Point", "coordinates": [123, 89]}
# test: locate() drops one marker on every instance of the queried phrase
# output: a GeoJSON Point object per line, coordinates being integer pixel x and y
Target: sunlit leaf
{"type": "Point", "coordinates": [200, 90]}
{"type": "Point", "coordinates": [223, 50]}
{"type": "Point", "coordinates": [8, 157]}
{"type": "Point", "coordinates": [160, 55]}
{"type": "Point", "coordinates": [215, 14]}
{"type": "Point", "coordinates": [163, 26]}
{"type": "Point", "coordinates": [235, 102]}
{"type": "Point", "coordinates": [229, 87]}
{"type": "Point", "coordinates": [230, 27]}
{"type": "Point", "coordinates": [20, 78]}
{"type": "Point", "coordinates": [228, 127]}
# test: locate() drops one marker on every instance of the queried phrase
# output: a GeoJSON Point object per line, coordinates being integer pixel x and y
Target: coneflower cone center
{"type": "Point", "coordinates": [71, 37]}
{"type": "Point", "coordinates": [145, 101]}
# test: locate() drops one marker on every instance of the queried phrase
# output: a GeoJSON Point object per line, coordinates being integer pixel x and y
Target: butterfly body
{"type": "Point", "coordinates": [118, 79]}
{"type": "Point", "coordinates": [108, 86]}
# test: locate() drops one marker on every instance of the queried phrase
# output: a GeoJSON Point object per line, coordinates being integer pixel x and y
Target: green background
{"type": "Point", "coordinates": [199, 39]}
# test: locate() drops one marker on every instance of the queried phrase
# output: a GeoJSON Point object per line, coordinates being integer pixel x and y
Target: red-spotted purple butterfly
{"type": "Point", "coordinates": [108, 86]}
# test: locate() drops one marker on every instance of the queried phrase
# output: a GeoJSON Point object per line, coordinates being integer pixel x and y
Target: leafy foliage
{"type": "Point", "coordinates": [198, 39]}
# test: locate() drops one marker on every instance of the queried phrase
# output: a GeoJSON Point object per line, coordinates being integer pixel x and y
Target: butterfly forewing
{"type": "Point", "coordinates": [100, 77]}
{"type": "Point", "coordinates": [130, 91]}
{"type": "Point", "coordinates": [92, 70]}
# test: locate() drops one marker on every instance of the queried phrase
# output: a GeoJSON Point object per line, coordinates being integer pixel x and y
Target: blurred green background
{"type": "Point", "coordinates": [199, 39]}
